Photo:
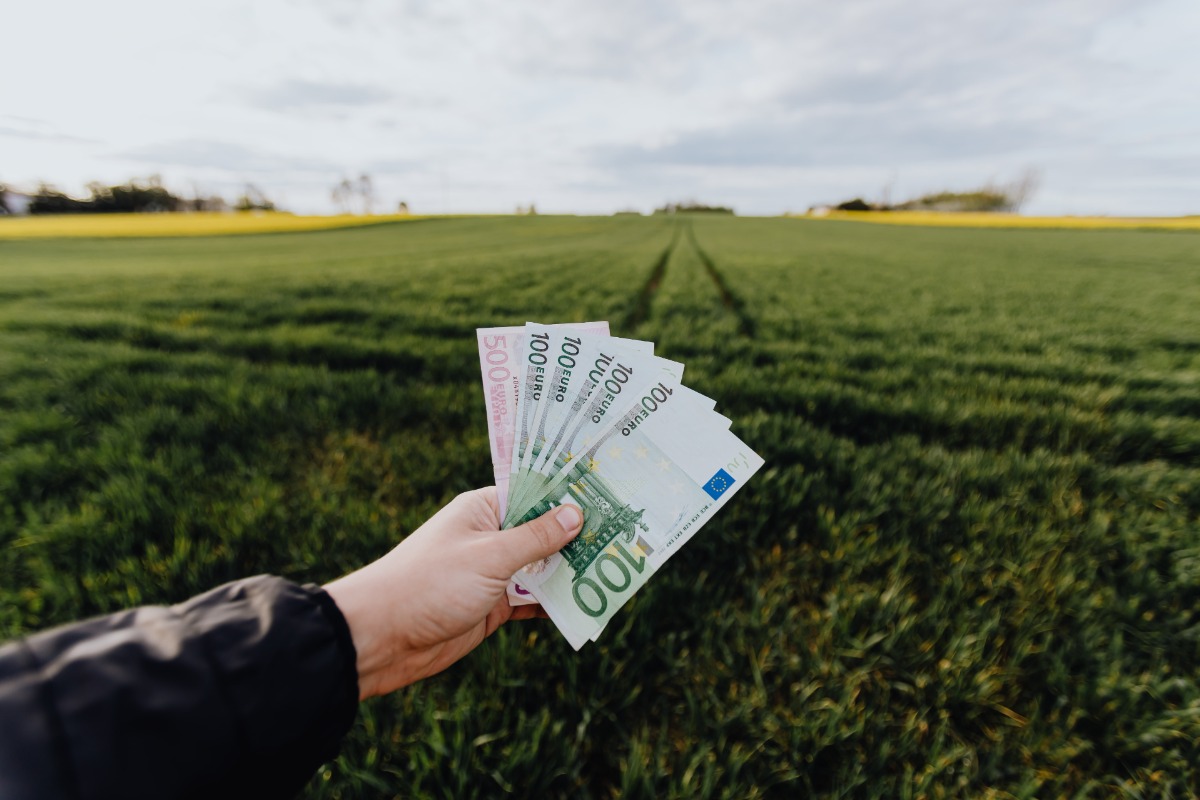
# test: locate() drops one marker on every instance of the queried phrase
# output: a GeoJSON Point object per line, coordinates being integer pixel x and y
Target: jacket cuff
{"type": "Point", "coordinates": [288, 669]}
{"type": "Point", "coordinates": [345, 644]}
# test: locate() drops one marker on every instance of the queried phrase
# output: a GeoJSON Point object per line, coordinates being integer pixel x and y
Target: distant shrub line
{"type": "Point", "coordinates": [135, 196]}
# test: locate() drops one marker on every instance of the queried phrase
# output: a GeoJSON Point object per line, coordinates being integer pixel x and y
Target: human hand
{"type": "Point", "coordinates": [441, 591]}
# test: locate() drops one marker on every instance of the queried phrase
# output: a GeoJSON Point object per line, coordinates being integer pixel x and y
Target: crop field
{"type": "Point", "coordinates": [969, 568]}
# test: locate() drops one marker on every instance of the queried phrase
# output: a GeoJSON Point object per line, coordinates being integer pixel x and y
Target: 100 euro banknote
{"type": "Point", "coordinates": [610, 387]}
{"type": "Point", "coordinates": [645, 486]}
{"type": "Point", "coordinates": [573, 362]}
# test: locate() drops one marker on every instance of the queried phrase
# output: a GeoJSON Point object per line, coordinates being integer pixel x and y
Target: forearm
{"type": "Point", "coordinates": [242, 691]}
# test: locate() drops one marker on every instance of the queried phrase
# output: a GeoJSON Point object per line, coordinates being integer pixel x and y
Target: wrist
{"type": "Point", "coordinates": [359, 605]}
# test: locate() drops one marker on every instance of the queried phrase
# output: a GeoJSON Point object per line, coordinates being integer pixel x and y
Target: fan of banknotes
{"type": "Point", "coordinates": [578, 416]}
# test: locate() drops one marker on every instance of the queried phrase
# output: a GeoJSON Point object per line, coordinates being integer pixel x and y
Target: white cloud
{"type": "Point", "coordinates": [595, 106]}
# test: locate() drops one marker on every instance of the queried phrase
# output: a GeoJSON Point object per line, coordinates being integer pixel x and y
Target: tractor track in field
{"type": "Point", "coordinates": [729, 299]}
{"type": "Point", "coordinates": [645, 296]}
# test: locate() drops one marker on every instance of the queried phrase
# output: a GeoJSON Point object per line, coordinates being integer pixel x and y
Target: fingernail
{"type": "Point", "coordinates": [568, 517]}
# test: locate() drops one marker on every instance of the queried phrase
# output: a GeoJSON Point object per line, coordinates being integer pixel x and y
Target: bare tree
{"type": "Point", "coordinates": [885, 199]}
{"type": "Point", "coordinates": [342, 195]}
{"type": "Point", "coordinates": [366, 192]}
{"type": "Point", "coordinates": [1023, 187]}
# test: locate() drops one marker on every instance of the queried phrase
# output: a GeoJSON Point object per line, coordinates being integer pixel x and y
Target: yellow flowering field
{"type": "Point", "coordinates": [986, 220]}
{"type": "Point", "coordinates": [196, 224]}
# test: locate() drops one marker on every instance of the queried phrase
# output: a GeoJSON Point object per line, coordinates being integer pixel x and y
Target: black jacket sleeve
{"type": "Point", "coordinates": [241, 692]}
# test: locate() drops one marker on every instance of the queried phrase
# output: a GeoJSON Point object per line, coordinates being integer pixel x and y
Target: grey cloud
{"type": "Point", "coordinates": [394, 165]}
{"type": "Point", "coordinates": [224, 155]}
{"type": "Point", "coordinates": [23, 120]}
{"type": "Point", "coordinates": [295, 93]}
{"type": "Point", "coordinates": [838, 139]}
{"type": "Point", "coordinates": [648, 44]}
{"type": "Point", "coordinates": [889, 84]}
{"type": "Point", "coordinates": [40, 136]}
{"type": "Point", "coordinates": [689, 42]}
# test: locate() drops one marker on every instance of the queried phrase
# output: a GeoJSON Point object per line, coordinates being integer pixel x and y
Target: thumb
{"type": "Point", "coordinates": [542, 537]}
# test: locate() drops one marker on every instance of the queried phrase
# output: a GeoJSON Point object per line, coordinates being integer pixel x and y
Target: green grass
{"type": "Point", "coordinates": [970, 566]}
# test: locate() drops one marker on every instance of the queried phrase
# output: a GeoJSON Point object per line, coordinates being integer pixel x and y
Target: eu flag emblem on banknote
{"type": "Point", "coordinates": [718, 483]}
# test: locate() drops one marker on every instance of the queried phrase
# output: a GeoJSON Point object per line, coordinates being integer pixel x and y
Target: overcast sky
{"type": "Point", "coordinates": [599, 106]}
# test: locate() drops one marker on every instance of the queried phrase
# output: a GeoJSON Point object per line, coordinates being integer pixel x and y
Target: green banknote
{"type": "Point", "coordinates": [613, 384]}
{"type": "Point", "coordinates": [557, 359]}
{"type": "Point", "coordinates": [575, 371]}
{"type": "Point", "coordinates": [517, 594]}
{"type": "Point", "coordinates": [646, 485]}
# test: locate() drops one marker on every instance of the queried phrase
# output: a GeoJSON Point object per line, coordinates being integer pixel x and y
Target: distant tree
{"type": "Point", "coordinates": [1020, 190]}
{"type": "Point", "coordinates": [213, 202]}
{"type": "Point", "coordinates": [987, 199]}
{"type": "Point", "coordinates": [354, 196]}
{"type": "Point", "coordinates": [253, 199]}
{"type": "Point", "coordinates": [366, 193]}
{"type": "Point", "coordinates": [49, 200]}
{"type": "Point", "coordinates": [885, 196]}
{"type": "Point", "coordinates": [341, 195]}
{"type": "Point", "coordinates": [692, 207]}
{"type": "Point", "coordinates": [200, 202]}
{"type": "Point", "coordinates": [402, 208]}
{"type": "Point", "coordinates": [5, 210]}
{"type": "Point", "coordinates": [137, 195]}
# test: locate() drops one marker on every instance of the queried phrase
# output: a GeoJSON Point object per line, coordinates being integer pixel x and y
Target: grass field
{"type": "Point", "coordinates": [970, 566]}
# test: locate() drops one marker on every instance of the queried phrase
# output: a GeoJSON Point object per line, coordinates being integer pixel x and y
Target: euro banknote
{"type": "Point", "coordinates": [611, 386]}
{"type": "Point", "coordinates": [645, 488]}
{"type": "Point", "coordinates": [608, 390]}
{"type": "Point", "coordinates": [556, 359]}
